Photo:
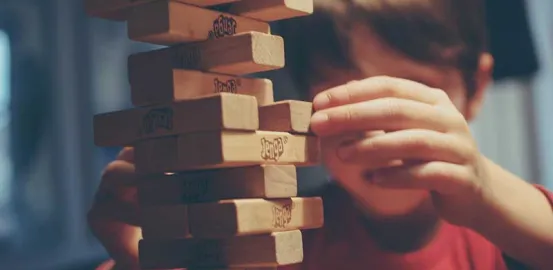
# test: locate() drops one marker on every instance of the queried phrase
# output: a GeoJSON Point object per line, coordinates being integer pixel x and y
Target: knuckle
{"type": "Point", "coordinates": [392, 108]}
{"type": "Point", "coordinates": [440, 94]}
{"type": "Point", "coordinates": [441, 173]}
{"type": "Point", "coordinates": [350, 89]}
{"type": "Point", "coordinates": [345, 115]}
{"type": "Point", "coordinates": [112, 169]}
{"type": "Point", "coordinates": [418, 143]}
{"type": "Point", "coordinates": [458, 122]}
{"type": "Point", "coordinates": [126, 154]}
{"type": "Point", "coordinates": [113, 166]}
{"type": "Point", "coordinates": [330, 96]}
{"type": "Point", "coordinates": [387, 85]}
{"type": "Point", "coordinates": [349, 114]}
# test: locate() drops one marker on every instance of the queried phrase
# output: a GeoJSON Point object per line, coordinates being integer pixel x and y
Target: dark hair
{"type": "Point", "coordinates": [440, 32]}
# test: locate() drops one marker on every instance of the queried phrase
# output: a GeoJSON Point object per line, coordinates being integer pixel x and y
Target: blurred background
{"type": "Point", "coordinates": [59, 67]}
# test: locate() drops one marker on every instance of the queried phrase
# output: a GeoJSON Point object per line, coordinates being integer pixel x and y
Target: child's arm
{"type": "Point", "coordinates": [518, 218]}
{"type": "Point", "coordinates": [426, 130]}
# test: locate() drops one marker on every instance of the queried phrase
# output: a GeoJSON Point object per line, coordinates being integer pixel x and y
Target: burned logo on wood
{"type": "Point", "coordinates": [223, 26]}
{"type": "Point", "coordinates": [160, 118]}
{"type": "Point", "coordinates": [230, 86]}
{"type": "Point", "coordinates": [273, 149]}
{"type": "Point", "coordinates": [282, 215]}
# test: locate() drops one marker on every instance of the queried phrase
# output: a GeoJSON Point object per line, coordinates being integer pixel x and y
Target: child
{"type": "Point", "coordinates": [394, 84]}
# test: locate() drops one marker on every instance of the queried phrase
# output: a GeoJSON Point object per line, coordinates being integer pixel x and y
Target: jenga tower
{"type": "Point", "coordinates": [215, 153]}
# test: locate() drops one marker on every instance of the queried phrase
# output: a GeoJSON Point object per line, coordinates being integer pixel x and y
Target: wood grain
{"type": "Point", "coordinates": [237, 55]}
{"type": "Point", "coordinates": [231, 218]}
{"type": "Point", "coordinates": [178, 84]}
{"type": "Point", "coordinates": [167, 22]}
{"type": "Point", "coordinates": [263, 181]}
{"type": "Point", "coordinates": [220, 111]}
{"type": "Point", "coordinates": [269, 250]}
{"type": "Point", "coordinates": [220, 149]}
{"type": "Point", "coordinates": [292, 116]}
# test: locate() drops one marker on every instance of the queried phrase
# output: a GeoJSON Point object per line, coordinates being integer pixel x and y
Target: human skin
{"type": "Point", "coordinates": [395, 135]}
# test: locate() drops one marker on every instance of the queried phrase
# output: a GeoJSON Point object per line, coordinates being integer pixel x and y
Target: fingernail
{"type": "Point", "coordinates": [345, 152]}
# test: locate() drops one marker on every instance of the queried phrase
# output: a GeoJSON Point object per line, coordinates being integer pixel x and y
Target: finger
{"type": "Point", "coordinates": [378, 87]}
{"type": "Point", "coordinates": [119, 182]}
{"type": "Point", "coordinates": [127, 154]}
{"type": "Point", "coordinates": [117, 196]}
{"type": "Point", "coordinates": [330, 146]}
{"type": "Point", "coordinates": [414, 144]}
{"type": "Point", "coordinates": [442, 177]}
{"type": "Point", "coordinates": [383, 114]}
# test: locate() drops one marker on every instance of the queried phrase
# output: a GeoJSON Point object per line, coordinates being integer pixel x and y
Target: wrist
{"type": "Point", "coordinates": [486, 199]}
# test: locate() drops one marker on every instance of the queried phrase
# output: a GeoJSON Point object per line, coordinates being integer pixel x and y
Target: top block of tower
{"type": "Point", "coordinates": [262, 10]}
{"type": "Point", "coordinates": [167, 22]}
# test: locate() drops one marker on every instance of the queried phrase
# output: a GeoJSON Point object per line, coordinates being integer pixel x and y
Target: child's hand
{"type": "Point", "coordinates": [114, 215]}
{"type": "Point", "coordinates": [424, 132]}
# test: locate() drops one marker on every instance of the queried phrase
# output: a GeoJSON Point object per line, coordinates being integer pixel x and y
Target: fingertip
{"type": "Point", "coordinates": [126, 154]}
{"type": "Point", "coordinates": [321, 101]}
{"type": "Point", "coordinates": [318, 122]}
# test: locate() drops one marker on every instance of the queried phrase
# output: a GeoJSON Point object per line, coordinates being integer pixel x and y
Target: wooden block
{"type": "Point", "coordinates": [287, 116]}
{"type": "Point", "coordinates": [254, 216]}
{"type": "Point", "coordinates": [119, 10]}
{"type": "Point", "coordinates": [269, 250]}
{"type": "Point", "coordinates": [272, 10]}
{"type": "Point", "coordinates": [238, 55]}
{"type": "Point", "coordinates": [220, 111]}
{"type": "Point", "coordinates": [264, 181]}
{"type": "Point", "coordinates": [179, 84]}
{"type": "Point", "coordinates": [167, 22]}
{"type": "Point", "coordinates": [231, 218]}
{"type": "Point", "coordinates": [220, 149]}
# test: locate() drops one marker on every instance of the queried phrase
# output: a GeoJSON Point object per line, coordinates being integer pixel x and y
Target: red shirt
{"type": "Point", "coordinates": [344, 243]}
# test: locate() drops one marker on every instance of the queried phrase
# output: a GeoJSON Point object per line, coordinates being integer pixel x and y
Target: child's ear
{"type": "Point", "coordinates": [483, 78]}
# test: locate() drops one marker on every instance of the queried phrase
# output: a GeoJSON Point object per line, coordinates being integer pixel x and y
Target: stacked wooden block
{"type": "Point", "coordinates": [216, 155]}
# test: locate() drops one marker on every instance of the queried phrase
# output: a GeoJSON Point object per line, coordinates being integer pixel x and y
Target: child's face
{"type": "Point", "coordinates": [376, 58]}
